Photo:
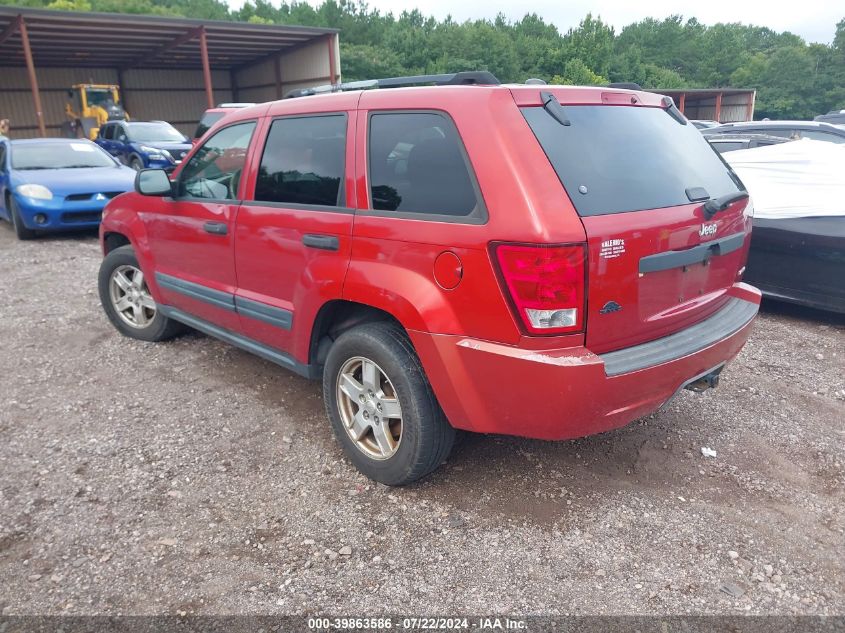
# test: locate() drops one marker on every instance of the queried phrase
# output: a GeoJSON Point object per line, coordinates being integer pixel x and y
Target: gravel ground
{"type": "Point", "coordinates": [191, 477]}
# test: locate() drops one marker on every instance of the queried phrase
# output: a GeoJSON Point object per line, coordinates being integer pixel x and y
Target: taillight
{"type": "Point", "coordinates": [546, 284]}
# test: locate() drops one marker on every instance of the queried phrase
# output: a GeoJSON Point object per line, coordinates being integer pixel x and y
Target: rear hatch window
{"type": "Point", "coordinates": [614, 159]}
{"type": "Point", "coordinates": [639, 179]}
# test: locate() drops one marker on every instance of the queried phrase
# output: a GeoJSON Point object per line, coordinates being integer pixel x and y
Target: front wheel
{"type": "Point", "coordinates": [381, 406]}
{"type": "Point", "coordinates": [136, 164]}
{"type": "Point", "coordinates": [127, 299]}
{"type": "Point", "coordinates": [21, 231]}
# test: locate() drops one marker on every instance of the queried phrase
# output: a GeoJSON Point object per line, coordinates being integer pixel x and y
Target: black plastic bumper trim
{"type": "Point", "coordinates": [729, 319]}
{"type": "Point", "coordinates": [217, 298]}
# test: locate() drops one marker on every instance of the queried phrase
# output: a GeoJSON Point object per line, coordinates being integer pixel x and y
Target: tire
{"type": "Point", "coordinates": [425, 437]}
{"type": "Point", "coordinates": [149, 323]}
{"type": "Point", "coordinates": [21, 231]}
{"type": "Point", "coordinates": [136, 164]}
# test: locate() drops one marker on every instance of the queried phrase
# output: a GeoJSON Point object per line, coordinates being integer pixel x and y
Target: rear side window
{"type": "Point", "coordinates": [303, 161]}
{"type": "Point", "coordinates": [208, 119]}
{"type": "Point", "coordinates": [782, 132]}
{"type": "Point", "coordinates": [417, 164]}
{"type": "Point", "coordinates": [822, 136]}
{"type": "Point", "coordinates": [613, 159]}
{"type": "Point", "coordinates": [729, 146]}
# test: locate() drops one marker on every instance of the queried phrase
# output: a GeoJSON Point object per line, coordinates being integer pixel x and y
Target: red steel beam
{"type": "Point", "coordinates": [206, 68]}
{"type": "Point", "coordinates": [683, 102]}
{"type": "Point", "coordinates": [719, 107]}
{"type": "Point", "coordinates": [33, 80]}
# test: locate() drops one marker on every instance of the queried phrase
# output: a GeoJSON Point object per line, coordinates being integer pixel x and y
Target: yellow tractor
{"type": "Point", "coordinates": [90, 106]}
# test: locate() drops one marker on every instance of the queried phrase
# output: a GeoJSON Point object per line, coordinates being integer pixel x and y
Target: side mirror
{"type": "Point", "coordinates": [153, 182]}
{"type": "Point", "coordinates": [122, 138]}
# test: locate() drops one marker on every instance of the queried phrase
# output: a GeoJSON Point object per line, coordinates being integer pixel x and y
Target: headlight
{"type": "Point", "coordinates": [38, 192]}
{"type": "Point", "coordinates": [749, 208]}
{"type": "Point", "coordinates": [154, 152]}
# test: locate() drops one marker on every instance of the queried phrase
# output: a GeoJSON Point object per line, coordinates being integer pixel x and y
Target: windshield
{"type": "Point", "coordinates": [99, 96]}
{"type": "Point", "coordinates": [155, 133]}
{"type": "Point", "coordinates": [613, 159]}
{"type": "Point", "coordinates": [59, 156]}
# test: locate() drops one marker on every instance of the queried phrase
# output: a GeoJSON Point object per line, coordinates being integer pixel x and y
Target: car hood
{"type": "Point", "coordinates": [63, 182]}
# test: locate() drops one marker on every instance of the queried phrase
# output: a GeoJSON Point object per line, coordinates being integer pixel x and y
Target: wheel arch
{"type": "Point", "coordinates": [113, 240]}
{"type": "Point", "coordinates": [337, 316]}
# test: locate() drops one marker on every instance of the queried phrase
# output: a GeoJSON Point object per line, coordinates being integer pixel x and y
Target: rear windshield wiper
{"type": "Point", "coordinates": [712, 207]}
{"type": "Point", "coordinates": [672, 110]}
{"type": "Point", "coordinates": [553, 107]}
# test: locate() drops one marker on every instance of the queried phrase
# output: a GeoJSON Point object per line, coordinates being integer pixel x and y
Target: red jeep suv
{"type": "Point", "coordinates": [534, 260]}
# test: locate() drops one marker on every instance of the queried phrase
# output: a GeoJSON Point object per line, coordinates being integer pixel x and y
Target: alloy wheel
{"type": "Point", "coordinates": [130, 296]}
{"type": "Point", "coordinates": [369, 408]}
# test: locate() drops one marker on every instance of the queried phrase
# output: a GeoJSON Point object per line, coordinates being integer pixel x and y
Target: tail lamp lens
{"type": "Point", "coordinates": [546, 284]}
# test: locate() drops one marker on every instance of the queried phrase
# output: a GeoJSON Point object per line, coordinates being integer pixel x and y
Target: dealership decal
{"type": "Point", "coordinates": [612, 248]}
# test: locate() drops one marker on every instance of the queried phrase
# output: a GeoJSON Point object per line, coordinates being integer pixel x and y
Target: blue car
{"type": "Point", "coordinates": [57, 184]}
{"type": "Point", "coordinates": [144, 144]}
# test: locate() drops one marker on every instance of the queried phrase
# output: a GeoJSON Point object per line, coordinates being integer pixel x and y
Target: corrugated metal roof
{"type": "Point", "coordinates": [85, 39]}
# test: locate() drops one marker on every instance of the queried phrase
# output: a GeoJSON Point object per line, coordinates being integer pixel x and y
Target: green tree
{"type": "Point", "coordinates": [577, 73]}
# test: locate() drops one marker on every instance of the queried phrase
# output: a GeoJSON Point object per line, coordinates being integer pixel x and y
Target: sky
{"type": "Point", "coordinates": [814, 20]}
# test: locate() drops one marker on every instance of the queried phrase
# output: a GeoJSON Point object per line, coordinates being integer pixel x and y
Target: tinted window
{"type": "Point", "coordinates": [613, 159]}
{"type": "Point", "coordinates": [214, 171]}
{"type": "Point", "coordinates": [303, 161]}
{"type": "Point", "coordinates": [2, 157]}
{"type": "Point", "coordinates": [782, 132]}
{"type": "Point", "coordinates": [417, 165]}
{"type": "Point", "coordinates": [107, 132]}
{"type": "Point", "coordinates": [728, 147]}
{"type": "Point", "coordinates": [208, 119]}
{"type": "Point", "coordinates": [822, 136]}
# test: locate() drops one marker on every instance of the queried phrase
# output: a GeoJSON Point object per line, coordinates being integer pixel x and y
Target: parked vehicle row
{"type": "Point", "coordinates": [63, 184]}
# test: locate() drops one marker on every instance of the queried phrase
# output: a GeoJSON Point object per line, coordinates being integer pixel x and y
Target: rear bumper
{"type": "Point", "coordinates": [567, 393]}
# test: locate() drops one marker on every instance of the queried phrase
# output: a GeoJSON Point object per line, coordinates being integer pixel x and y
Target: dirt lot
{"type": "Point", "coordinates": [193, 477]}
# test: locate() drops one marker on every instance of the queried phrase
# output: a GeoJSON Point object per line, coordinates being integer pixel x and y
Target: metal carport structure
{"type": "Point", "coordinates": [167, 68]}
{"type": "Point", "coordinates": [725, 105]}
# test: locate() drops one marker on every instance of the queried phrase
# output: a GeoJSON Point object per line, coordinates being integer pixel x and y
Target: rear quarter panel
{"type": "Point", "coordinates": [393, 257]}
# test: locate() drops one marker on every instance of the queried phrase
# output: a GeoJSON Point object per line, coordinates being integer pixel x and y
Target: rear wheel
{"type": "Point", "coordinates": [381, 406]}
{"type": "Point", "coordinates": [127, 299]}
{"type": "Point", "coordinates": [21, 231]}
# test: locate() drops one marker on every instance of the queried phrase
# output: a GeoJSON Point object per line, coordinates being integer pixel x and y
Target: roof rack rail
{"type": "Point", "coordinates": [467, 78]}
